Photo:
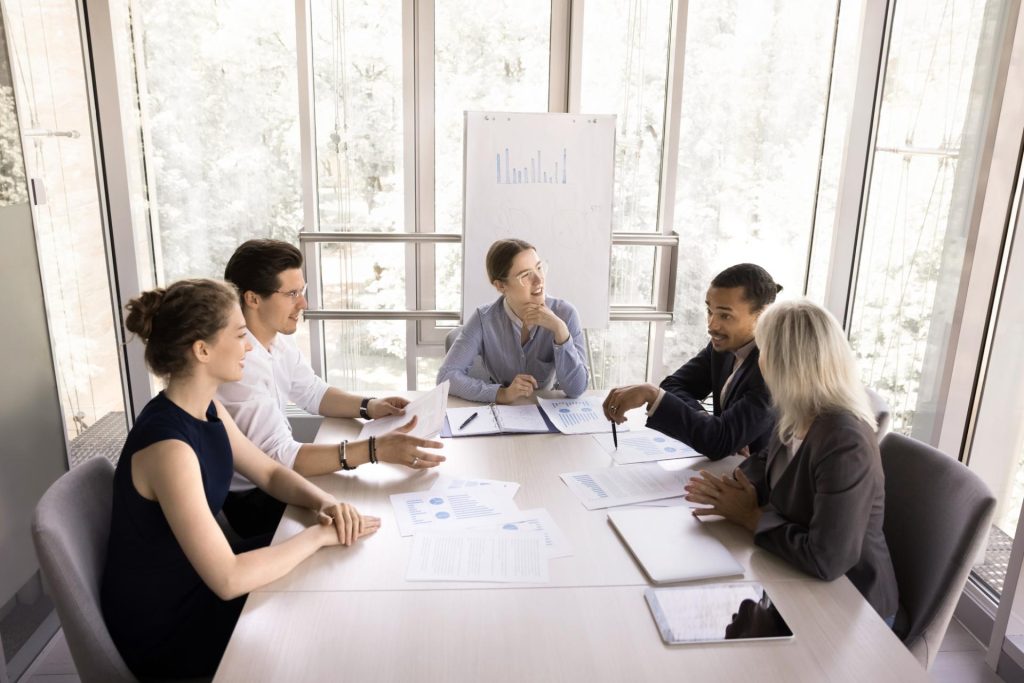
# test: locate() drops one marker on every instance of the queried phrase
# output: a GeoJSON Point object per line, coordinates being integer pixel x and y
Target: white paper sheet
{"type": "Point", "coordinates": [429, 408]}
{"type": "Point", "coordinates": [423, 510]}
{"type": "Point", "coordinates": [530, 521]}
{"type": "Point", "coordinates": [644, 445]}
{"type": "Point", "coordinates": [577, 415]}
{"type": "Point", "coordinates": [623, 485]}
{"type": "Point", "coordinates": [446, 484]}
{"type": "Point", "coordinates": [478, 556]}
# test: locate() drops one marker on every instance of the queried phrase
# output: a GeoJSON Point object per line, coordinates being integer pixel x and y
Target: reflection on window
{"type": "Point", "coordinates": [219, 109]}
{"type": "Point", "coordinates": [934, 105]}
{"type": "Point", "coordinates": [755, 86]}
{"type": "Point", "coordinates": [357, 67]}
{"type": "Point", "coordinates": [618, 354]}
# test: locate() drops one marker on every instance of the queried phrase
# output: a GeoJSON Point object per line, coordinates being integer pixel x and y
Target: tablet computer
{"type": "Point", "coordinates": [716, 613]}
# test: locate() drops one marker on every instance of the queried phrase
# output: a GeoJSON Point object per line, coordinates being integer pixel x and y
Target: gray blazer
{"type": "Point", "coordinates": [824, 515]}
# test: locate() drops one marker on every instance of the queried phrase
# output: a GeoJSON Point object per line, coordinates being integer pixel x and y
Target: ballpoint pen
{"type": "Point", "coordinates": [468, 420]}
{"type": "Point", "coordinates": [615, 436]}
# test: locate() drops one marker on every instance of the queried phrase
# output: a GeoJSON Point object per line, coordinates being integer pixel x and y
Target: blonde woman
{"type": "Point", "coordinates": [815, 495]}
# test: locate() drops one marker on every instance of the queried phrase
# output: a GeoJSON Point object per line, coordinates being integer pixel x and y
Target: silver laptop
{"type": "Point", "coordinates": [671, 545]}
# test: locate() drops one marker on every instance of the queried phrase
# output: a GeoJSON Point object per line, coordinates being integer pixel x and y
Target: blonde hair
{"type": "Point", "coordinates": [808, 366]}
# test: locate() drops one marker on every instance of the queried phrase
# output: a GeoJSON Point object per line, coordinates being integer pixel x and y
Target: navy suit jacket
{"type": "Point", "coordinates": [746, 419]}
{"type": "Point", "coordinates": [825, 512]}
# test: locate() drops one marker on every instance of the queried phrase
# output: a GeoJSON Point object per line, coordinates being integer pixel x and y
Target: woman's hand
{"type": "Point", "coordinates": [382, 407]}
{"type": "Point", "coordinates": [540, 315]}
{"type": "Point", "coordinates": [342, 523]}
{"type": "Point", "coordinates": [522, 386]}
{"type": "Point", "coordinates": [401, 448]}
{"type": "Point", "coordinates": [731, 496]}
{"type": "Point", "coordinates": [621, 399]}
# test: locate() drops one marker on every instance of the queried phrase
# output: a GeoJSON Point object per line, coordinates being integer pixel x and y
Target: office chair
{"type": "Point", "coordinates": [70, 531]}
{"type": "Point", "coordinates": [937, 513]}
{"type": "Point", "coordinates": [880, 408]}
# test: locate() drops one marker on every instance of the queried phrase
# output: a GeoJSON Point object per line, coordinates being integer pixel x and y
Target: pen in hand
{"type": "Point", "coordinates": [468, 420]}
{"type": "Point", "coordinates": [615, 436]}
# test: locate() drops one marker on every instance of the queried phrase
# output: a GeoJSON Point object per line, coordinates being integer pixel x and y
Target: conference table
{"type": "Point", "coordinates": [350, 614]}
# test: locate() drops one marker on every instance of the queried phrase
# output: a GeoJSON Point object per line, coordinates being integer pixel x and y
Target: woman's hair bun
{"type": "Point", "coordinates": [141, 311]}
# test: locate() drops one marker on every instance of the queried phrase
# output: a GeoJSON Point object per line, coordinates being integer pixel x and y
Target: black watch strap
{"type": "Point", "coordinates": [363, 405]}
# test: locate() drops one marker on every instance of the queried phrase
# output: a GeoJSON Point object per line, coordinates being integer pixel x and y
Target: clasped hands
{"type": "Point", "coordinates": [342, 524]}
{"type": "Point", "coordinates": [731, 496]}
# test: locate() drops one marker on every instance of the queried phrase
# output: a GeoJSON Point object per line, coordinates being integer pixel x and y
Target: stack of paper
{"type": "Point", "coordinates": [471, 530]}
{"type": "Point", "coordinates": [577, 415]}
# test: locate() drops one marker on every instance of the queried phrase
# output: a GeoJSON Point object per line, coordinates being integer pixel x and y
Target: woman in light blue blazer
{"type": "Point", "coordinates": [526, 340]}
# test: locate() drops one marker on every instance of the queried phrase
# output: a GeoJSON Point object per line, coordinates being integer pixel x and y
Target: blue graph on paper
{"type": "Point", "coordinates": [510, 171]}
{"type": "Point", "coordinates": [576, 415]}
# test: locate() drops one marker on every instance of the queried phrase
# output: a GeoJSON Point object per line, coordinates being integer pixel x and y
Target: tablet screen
{"type": "Point", "coordinates": [716, 613]}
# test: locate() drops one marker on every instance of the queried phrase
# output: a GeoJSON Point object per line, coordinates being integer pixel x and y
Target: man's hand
{"type": "Point", "coordinates": [401, 448]}
{"type": "Point", "coordinates": [621, 399]}
{"type": "Point", "coordinates": [382, 407]}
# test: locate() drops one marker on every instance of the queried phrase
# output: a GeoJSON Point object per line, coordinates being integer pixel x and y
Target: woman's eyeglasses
{"type": "Point", "coordinates": [527, 276]}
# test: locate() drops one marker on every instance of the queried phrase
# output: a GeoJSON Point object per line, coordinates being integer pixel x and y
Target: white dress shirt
{"type": "Point", "coordinates": [257, 402]}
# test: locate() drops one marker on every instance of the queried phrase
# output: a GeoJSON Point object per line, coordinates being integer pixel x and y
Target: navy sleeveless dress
{"type": "Point", "coordinates": [164, 620]}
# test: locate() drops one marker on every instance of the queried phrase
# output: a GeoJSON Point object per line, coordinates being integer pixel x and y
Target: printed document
{"type": "Point", "coordinates": [578, 415]}
{"type": "Point", "coordinates": [424, 510]}
{"type": "Point", "coordinates": [446, 484]}
{"type": "Point", "coordinates": [644, 445]}
{"type": "Point", "coordinates": [530, 521]}
{"type": "Point", "coordinates": [429, 408]}
{"type": "Point", "coordinates": [478, 556]}
{"type": "Point", "coordinates": [625, 484]}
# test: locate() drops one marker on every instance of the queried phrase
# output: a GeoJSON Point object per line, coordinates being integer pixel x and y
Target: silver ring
{"type": "Point", "coordinates": [415, 460]}
{"type": "Point", "coordinates": [612, 407]}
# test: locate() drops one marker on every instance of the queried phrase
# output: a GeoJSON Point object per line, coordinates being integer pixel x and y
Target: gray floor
{"type": "Point", "coordinates": [960, 660]}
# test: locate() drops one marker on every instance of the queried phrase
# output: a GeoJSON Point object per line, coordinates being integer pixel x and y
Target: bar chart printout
{"type": "Point", "coordinates": [644, 445]}
{"type": "Point", "coordinates": [435, 510]}
{"type": "Point", "coordinates": [511, 172]}
{"type": "Point", "coordinates": [577, 415]}
{"type": "Point", "coordinates": [624, 485]}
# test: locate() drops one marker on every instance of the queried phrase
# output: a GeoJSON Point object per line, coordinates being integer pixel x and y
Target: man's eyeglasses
{"type": "Point", "coordinates": [527, 276]}
{"type": "Point", "coordinates": [293, 294]}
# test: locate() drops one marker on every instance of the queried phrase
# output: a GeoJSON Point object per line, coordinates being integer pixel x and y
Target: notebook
{"type": "Point", "coordinates": [495, 419]}
{"type": "Point", "coordinates": [671, 545]}
{"type": "Point", "coordinates": [716, 613]}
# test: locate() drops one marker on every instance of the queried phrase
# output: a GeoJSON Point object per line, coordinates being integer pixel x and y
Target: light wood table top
{"type": "Point", "coordinates": [349, 613]}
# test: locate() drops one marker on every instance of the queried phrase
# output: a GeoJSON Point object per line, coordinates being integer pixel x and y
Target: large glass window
{"type": "Point", "coordinates": [935, 103]}
{"type": "Point", "coordinates": [755, 89]}
{"type": "Point", "coordinates": [218, 109]}
{"type": "Point", "coordinates": [57, 131]}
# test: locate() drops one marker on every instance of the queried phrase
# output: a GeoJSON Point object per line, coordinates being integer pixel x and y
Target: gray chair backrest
{"type": "Point", "coordinates": [451, 337]}
{"type": "Point", "coordinates": [937, 513]}
{"type": "Point", "coordinates": [70, 531]}
{"type": "Point", "coordinates": [883, 416]}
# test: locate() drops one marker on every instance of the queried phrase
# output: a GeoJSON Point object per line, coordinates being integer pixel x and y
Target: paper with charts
{"type": "Point", "coordinates": [530, 521]}
{"type": "Point", "coordinates": [644, 445]}
{"type": "Point", "coordinates": [429, 408]}
{"type": "Point", "coordinates": [577, 415]}
{"type": "Point", "coordinates": [624, 485]}
{"type": "Point", "coordinates": [478, 556]}
{"type": "Point", "coordinates": [422, 510]}
{"type": "Point", "coordinates": [446, 484]}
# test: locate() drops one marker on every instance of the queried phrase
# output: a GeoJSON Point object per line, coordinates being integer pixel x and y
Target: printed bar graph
{"type": "Point", "coordinates": [508, 173]}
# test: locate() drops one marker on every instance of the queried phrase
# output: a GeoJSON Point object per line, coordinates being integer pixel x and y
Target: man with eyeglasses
{"type": "Point", "coordinates": [726, 369]}
{"type": "Point", "coordinates": [272, 292]}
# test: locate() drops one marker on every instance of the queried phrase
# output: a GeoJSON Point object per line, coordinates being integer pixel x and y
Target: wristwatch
{"type": "Point", "coordinates": [363, 405]}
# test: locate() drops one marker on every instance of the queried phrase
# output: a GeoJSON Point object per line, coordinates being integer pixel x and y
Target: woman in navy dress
{"type": "Point", "coordinates": [173, 586]}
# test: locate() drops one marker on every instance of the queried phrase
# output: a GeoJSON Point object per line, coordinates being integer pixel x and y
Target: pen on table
{"type": "Point", "coordinates": [468, 420]}
{"type": "Point", "coordinates": [615, 436]}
